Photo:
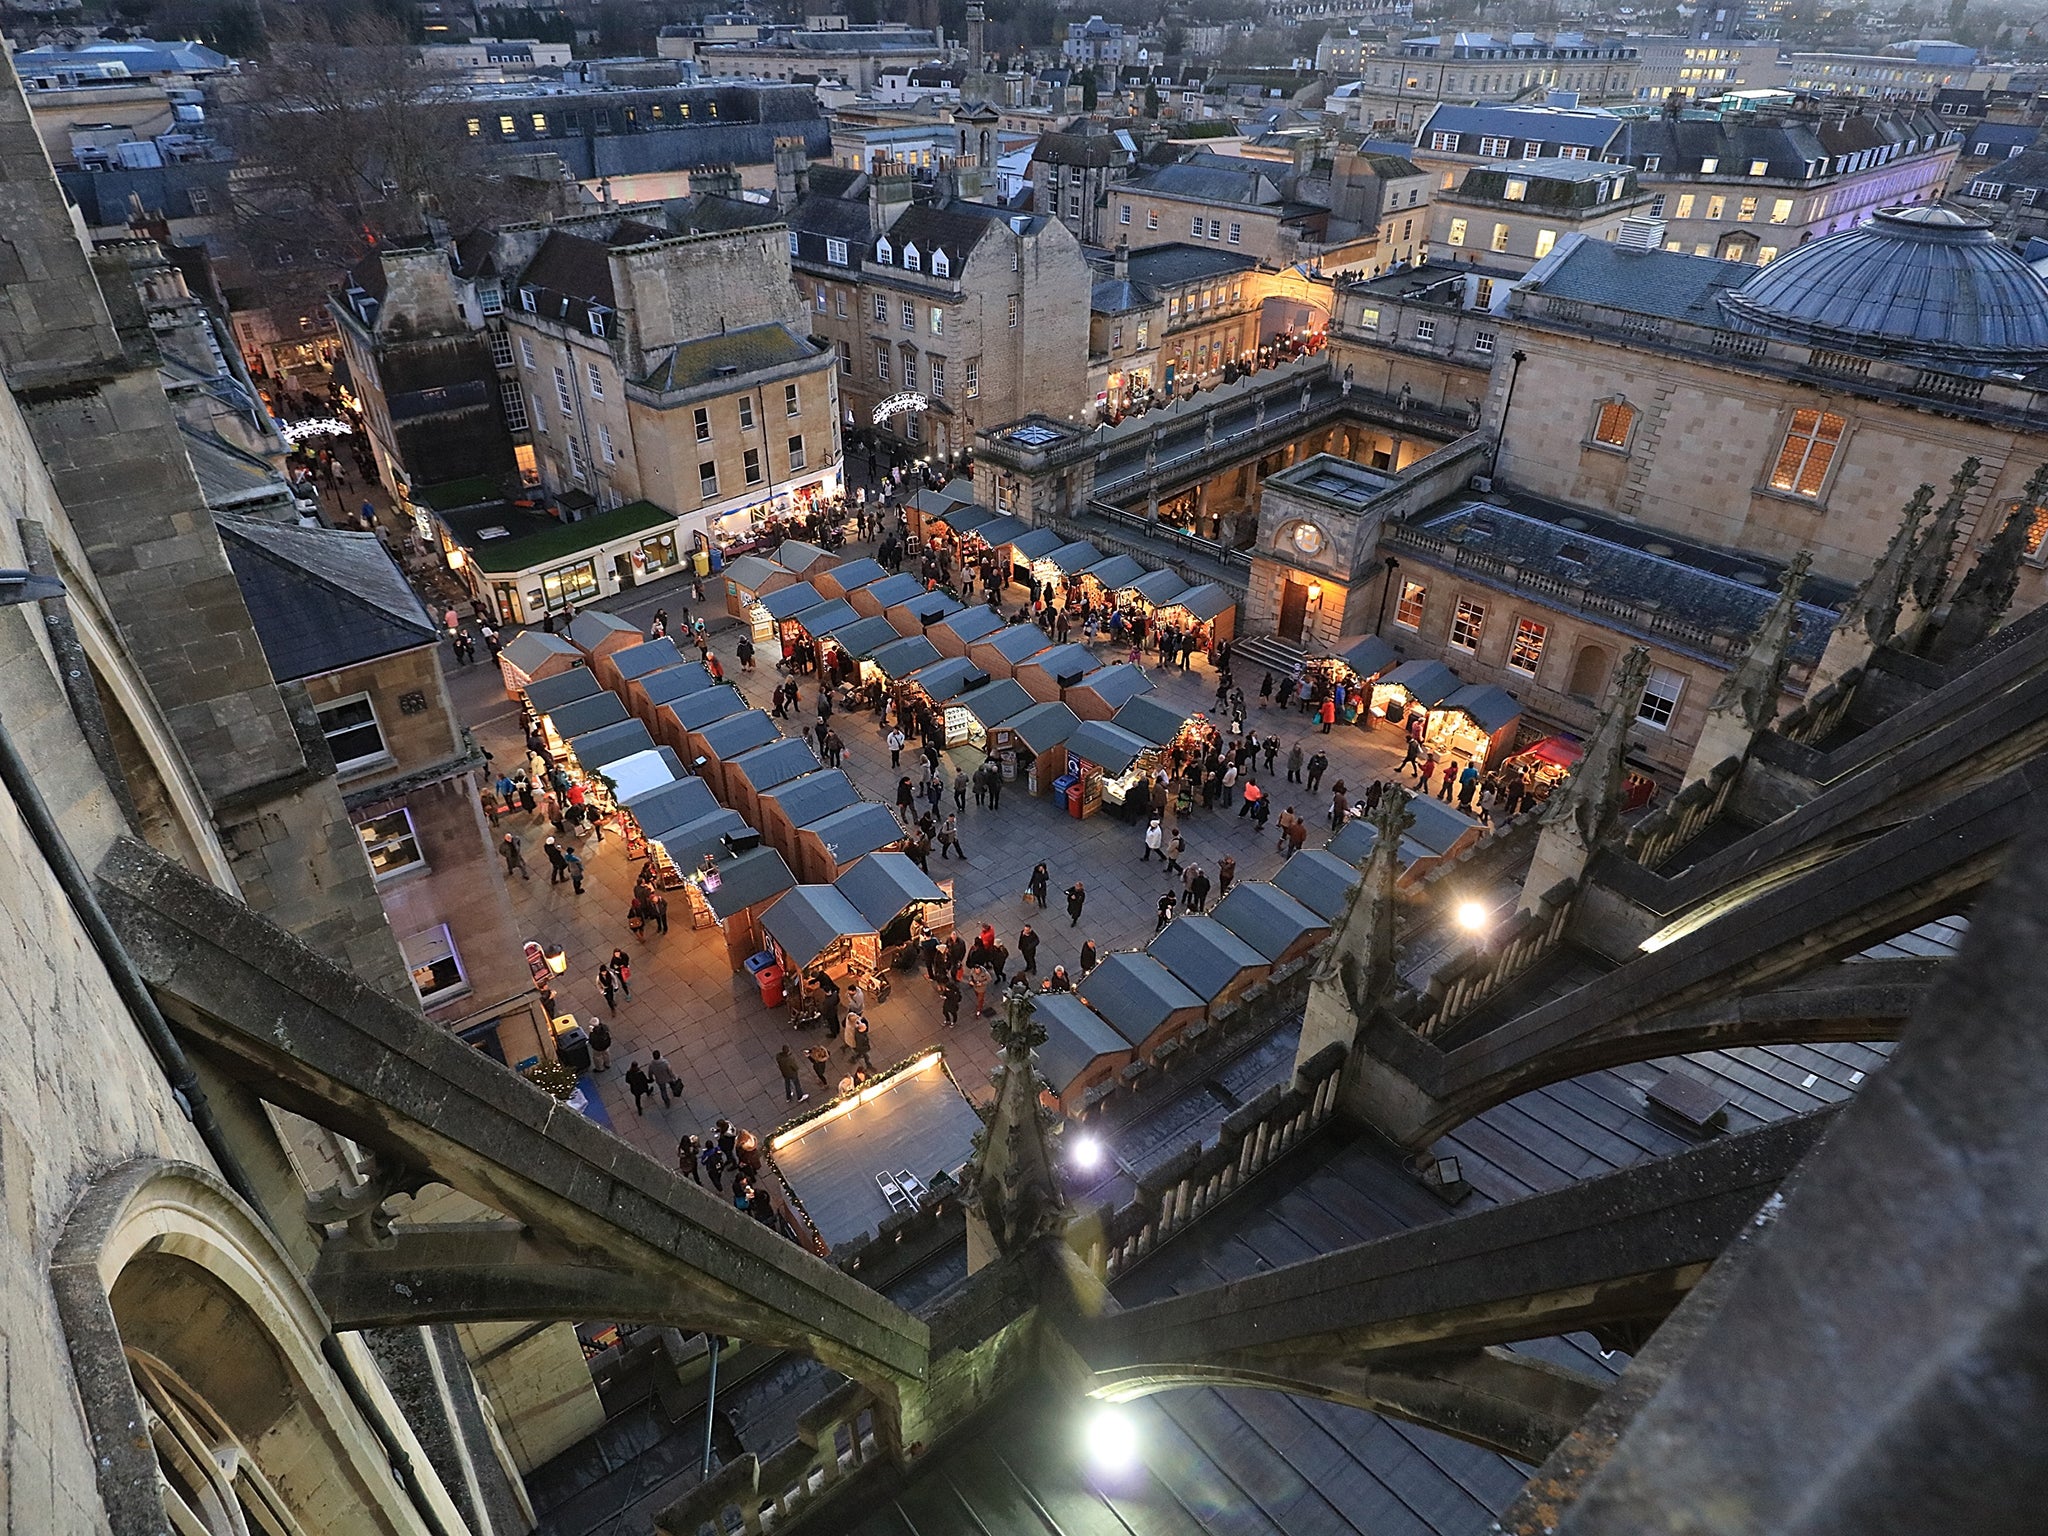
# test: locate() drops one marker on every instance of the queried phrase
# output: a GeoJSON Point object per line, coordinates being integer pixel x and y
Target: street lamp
{"type": "Point", "coordinates": [557, 961]}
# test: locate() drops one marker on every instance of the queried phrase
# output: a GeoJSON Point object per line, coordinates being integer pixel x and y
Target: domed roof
{"type": "Point", "coordinates": [1923, 283]}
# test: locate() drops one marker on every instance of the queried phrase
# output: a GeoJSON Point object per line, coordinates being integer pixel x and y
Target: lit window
{"type": "Point", "coordinates": [392, 847]}
{"type": "Point", "coordinates": [604, 443]}
{"type": "Point", "coordinates": [1717, 207]}
{"type": "Point", "coordinates": [752, 458]}
{"type": "Point", "coordinates": [1408, 611]}
{"type": "Point", "coordinates": [1527, 651]}
{"type": "Point", "coordinates": [507, 125]}
{"type": "Point", "coordinates": [746, 413]}
{"type": "Point", "coordinates": [1710, 165]}
{"type": "Point", "coordinates": [1781, 210]}
{"type": "Point", "coordinates": [1545, 239]}
{"type": "Point", "coordinates": [974, 372]}
{"type": "Point", "coordinates": [1152, 218]}
{"type": "Point", "coordinates": [1368, 319]}
{"type": "Point", "coordinates": [1684, 209]}
{"type": "Point", "coordinates": [596, 382]}
{"type": "Point", "coordinates": [938, 321]}
{"type": "Point", "coordinates": [1745, 211]}
{"type": "Point", "coordinates": [1759, 167]}
{"type": "Point", "coordinates": [476, 127]}
{"type": "Point", "coordinates": [1617, 419]}
{"type": "Point", "coordinates": [1458, 228]}
{"type": "Point", "coordinates": [1810, 444]}
{"type": "Point", "coordinates": [703, 420]}
{"type": "Point", "coordinates": [350, 726]}
{"type": "Point", "coordinates": [1660, 697]}
{"type": "Point", "coordinates": [436, 969]}
{"type": "Point", "coordinates": [1500, 237]}
{"type": "Point", "coordinates": [1467, 624]}
{"type": "Point", "coordinates": [1766, 254]}
{"type": "Point", "coordinates": [1517, 189]}
{"type": "Point", "coordinates": [707, 480]}
{"type": "Point", "coordinates": [796, 454]}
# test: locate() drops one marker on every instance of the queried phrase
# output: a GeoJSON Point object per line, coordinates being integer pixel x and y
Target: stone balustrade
{"type": "Point", "coordinates": [837, 1440]}
{"type": "Point", "coordinates": [1473, 975]}
{"type": "Point", "coordinates": [1684, 817]}
{"type": "Point", "coordinates": [1818, 717]}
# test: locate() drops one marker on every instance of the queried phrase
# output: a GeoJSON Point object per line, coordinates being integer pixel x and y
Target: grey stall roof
{"type": "Point", "coordinates": [1036, 544]}
{"type": "Point", "coordinates": [1019, 643]}
{"type": "Point", "coordinates": [964, 518]}
{"type": "Point", "coordinates": [696, 710]}
{"type": "Point", "coordinates": [971, 624]}
{"type": "Point", "coordinates": [861, 640]}
{"type": "Point", "coordinates": [802, 555]}
{"type": "Point", "coordinates": [821, 619]}
{"type": "Point", "coordinates": [930, 608]}
{"type": "Point", "coordinates": [535, 648]}
{"type": "Point", "coordinates": [1116, 685]}
{"type": "Point", "coordinates": [1426, 682]}
{"type": "Point", "coordinates": [1150, 718]}
{"type": "Point", "coordinates": [1043, 726]}
{"type": "Point", "coordinates": [993, 703]}
{"type": "Point", "coordinates": [1368, 656]}
{"type": "Point", "coordinates": [938, 503]}
{"type": "Point", "coordinates": [777, 763]}
{"type": "Point", "coordinates": [1072, 559]}
{"type": "Point", "coordinates": [814, 795]}
{"type": "Point", "coordinates": [609, 743]}
{"type": "Point", "coordinates": [672, 805]}
{"type": "Point", "coordinates": [1320, 881]}
{"type": "Point", "coordinates": [1000, 529]}
{"type": "Point", "coordinates": [1206, 602]}
{"type": "Point", "coordinates": [1076, 1037]}
{"type": "Point", "coordinates": [1266, 917]}
{"type": "Point", "coordinates": [593, 626]}
{"type": "Point", "coordinates": [788, 602]}
{"type": "Point", "coordinates": [758, 875]}
{"type": "Point", "coordinates": [1203, 953]}
{"type": "Point", "coordinates": [905, 656]}
{"type": "Point", "coordinates": [1107, 746]}
{"type": "Point", "coordinates": [883, 884]}
{"type": "Point", "coordinates": [563, 688]}
{"type": "Point", "coordinates": [1490, 708]}
{"type": "Point", "coordinates": [749, 571]}
{"type": "Point", "coordinates": [1072, 660]}
{"type": "Point", "coordinates": [857, 573]}
{"type": "Point", "coordinates": [672, 683]}
{"type": "Point", "coordinates": [639, 660]}
{"type": "Point", "coordinates": [586, 714]}
{"type": "Point", "coordinates": [891, 590]}
{"type": "Point", "coordinates": [1117, 572]}
{"type": "Point", "coordinates": [810, 919]}
{"type": "Point", "coordinates": [726, 739]}
{"type": "Point", "coordinates": [948, 678]}
{"type": "Point", "coordinates": [855, 831]}
{"type": "Point", "coordinates": [1136, 994]}
{"type": "Point", "coordinates": [1158, 588]}
{"type": "Point", "coordinates": [687, 844]}
{"type": "Point", "coordinates": [1437, 828]}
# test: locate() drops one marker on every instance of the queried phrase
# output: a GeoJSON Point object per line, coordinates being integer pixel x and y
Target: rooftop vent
{"type": "Point", "coordinates": [1640, 235]}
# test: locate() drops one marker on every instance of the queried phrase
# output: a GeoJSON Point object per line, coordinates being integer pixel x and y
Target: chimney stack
{"type": "Point", "coordinates": [715, 181]}
{"type": "Point", "coordinates": [977, 24]}
{"type": "Point", "coordinates": [1123, 261]}
{"type": "Point", "coordinates": [792, 170]}
{"type": "Point", "coordinates": [889, 193]}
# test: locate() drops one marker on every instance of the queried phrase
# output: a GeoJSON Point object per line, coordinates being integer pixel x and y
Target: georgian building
{"type": "Point", "coordinates": [1513, 215]}
{"type": "Point", "coordinates": [1397, 90]}
{"type": "Point", "coordinates": [1073, 171]}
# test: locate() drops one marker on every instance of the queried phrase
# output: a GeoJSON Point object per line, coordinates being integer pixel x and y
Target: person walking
{"type": "Point", "coordinates": [949, 838]}
{"type": "Point", "coordinates": [1077, 898]}
{"type": "Point", "coordinates": [1198, 890]}
{"type": "Point", "coordinates": [1087, 958]}
{"type": "Point", "coordinates": [981, 784]}
{"type": "Point", "coordinates": [819, 1058]}
{"type": "Point", "coordinates": [640, 1084]}
{"type": "Point", "coordinates": [792, 1075]}
{"type": "Point", "coordinates": [575, 868]}
{"type": "Point", "coordinates": [1226, 872]}
{"type": "Point", "coordinates": [1329, 713]}
{"type": "Point", "coordinates": [689, 1153]}
{"type": "Point", "coordinates": [979, 979]}
{"type": "Point", "coordinates": [1041, 881]}
{"type": "Point", "coordinates": [558, 867]}
{"type": "Point", "coordinates": [1027, 950]}
{"type": "Point", "coordinates": [960, 790]}
{"type": "Point", "coordinates": [508, 850]}
{"type": "Point", "coordinates": [714, 1162]}
{"type": "Point", "coordinates": [895, 739]}
{"type": "Point", "coordinates": [949, 1001]}
{"type": "Point", "coordinates": [1294, 764]}
{"type": "Point", "coordinates": [1155, 840]}
{"type": "Point", "coordinates": [1165, 911]}
{"type": "Point", "coordinates": [1252, 796]}
{"type": "Point", "coordinates": [906, 800]}
{"type": "Point", "coordinates": [610, 986]}
{"type": "Point", "coordinates": [622, 967]}
{"type": "Point", "coordinates": [665, 1079]}
{"type": "Point", "coordinates": [1318, 765]}
{"type": "Point", "coordinates": [862, 1044]}
{"type": "Point", "coordinates": [600, 1045]}
{"type": "Point", "coordinates": [1175, 847]}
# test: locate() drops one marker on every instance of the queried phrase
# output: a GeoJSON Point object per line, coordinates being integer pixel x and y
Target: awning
{"type": "Point", "coordinates": [855, 831]}
{"type": "Point", "coordinates": [1117, 572]}
{"type": "Point", "coordinates": [1135, 994]}
{"type": "Point", "coordinates": [563, 688]}
{"type": "Point", "coordinates": [801, 556]}
{"type": "Point", "coordinates": [947, 678]}
{"type": "Point", "coordinates": [995, 702]}
{"type": "Point", "coordinates": [1072, 559]}
{"type": "Point", "coordinates": [593, 626]}
{"type": "Point", "coordinates": [1428, 683]}
{"type": "Point", "coordinates": [639, 660]}
{"type": "Point", "coordinates": [883, 885]}
{"type": "Point", "coordinates": [1320, 881]}
{"type": "Point", "coordinates": [694, 711]}
{"type": "Point", "coordinates": [726, 739]}
{"type": "Point", "coordinates": [1203, 953]}
{"type": "Point", "coordinates": [596, 748]}
{"type": "Point", "coordinates": [1076, 1037]}
{"type": "Point", "coordinates": [1204, 603]}
{"type": "Point", "coordinates": [1036, 544]}
{"type": "Point", "coordinates": [750, 572]}
{"type": "Point", "coordinates": [674, 804]}
{"type": "Point", "coordinates": [776, 763]}
{"type": "Point", "coordinates": [809, 919]}
{"type": "Point", "coordinates": [639, 773]}
{"type": "Point", "coordinates": [821, 619]}
{"type": "Point", "coordinates": [747, 880]}
{"type": "Point", "coordinates": [593, 713]}
{"type": "Point", "coordinates": [1368, 656]}
{"type": "Point", "coordinates": [1266, 917]}
{"type": "Point", "coordinates": [534, 649]}
{"type": "Point", "coordinates": [788, 602]}
{"type": "Point", "coordinates": [672, 683]}
{"type": "Point", "coordinates": [814, 796]}
{"type": "Point", "coordinates": [1158, 588]}
{"type": "Point", "coordinates": [862, 639]}
{"type": "Point", "coordinates": [905, 656]}
{"type": "Point", "coordinates": [1491, 709]}
{"type": "Point", "coordinates": [1558, 751]}
{"type": "Point", "coordinates": [1043, 726]}
{"type": "Point", "coordinates": [1108, 748]}
{"type": "Point", "coordinates": [1150, 718]}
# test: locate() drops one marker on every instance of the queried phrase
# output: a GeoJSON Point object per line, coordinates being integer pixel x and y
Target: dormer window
{"type": "Point", "coordinates": [527, 301]}
{"type": "Point", "coordinates": [1710, 165]}
{"type": "Point", "coordinates": [883, 253]}
{"type": "Point", "coordinates": [596, 323]}
{"type": "Point", "coordinates": [912, 261]}
{"type": "Point", "coordinates": [941, 267]}
{"type": "Point", "coordinates": [793, 244]}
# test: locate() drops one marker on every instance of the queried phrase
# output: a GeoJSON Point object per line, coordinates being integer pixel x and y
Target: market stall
{"type": "Point", "coordinates": [1210, 610]}
{"type": "Point", "coordinates": [1477, 725]}
{"type": "Point", "coordinates": [956, 631]}
{"type": "Point", "coordinates": [790, 806]}
{"type": "Point", "coordinates": [1150, 718]}
{"type": "Point", "coordinates": [773, 609]}
{"type": "Point", "coordinates": [901, 657]}
{"type": "Point", "coordinates": [1215, 963]}
{"type": "Point", "coordinates": [1031, 746]}
{"type": "Point", "coordinates": [984, 709]}
{"type": "Point", "coordinates": [661, 809]}
{"type": "Point", "coordinates": [991, 538]}
{"type": "Point", "coordinates": [1029, 547]}
{"type": "Point", "coordinates": [1066, 562]}
{"type": "Point", "coordinates": [999, 652]}
{"type": "Point", "coordinates": [892, 895]}
{"type": "Point", "coordinates": [563, 688]}
{"type": "Point", "coordinates": [596, 633]}
{"type": "Point", "coordinates": [1152, 591]}
{"type": "Point", "coordinates": [590, 713]}
{"type": "Point", "coordinates": [813, 928]}
{"type": "Point", "coordinates": [1414, 687]}
{"type": "Point", "coordinates": [1141, 1000]}
{"type": "Point", "coordinates": [674, 722]}
{"type": "Point", "coordinates": [1358, 665]}
{"type": "Point", "coordinates": [804, 559]}
{"type": "Point", "coordinates": [532, 657]}
{"type": "Point", "coordinates": [592, 752]}
{"type": "Point", "coordinates": [923, 506]}
{"type": "Point", "coordinates": [1439, 834]}
{"type": "Point", "coordinates": [933, 685]}
{"type": "Point", "coordinates": [944, 531]}
{"type": "Point", "coordinates": [880, 596]}
{"type": "Point", "coordinates": [831, 844]}
{"type": "Point", "coordinates": [736, 890]}
{"type": "Point", "coordinates": [1103, 763]}
{"type": "Point", "coordinates": [645, 695]}
{"type": "Point", "coordinates": [848, 654]}
{"type": "Point", "coordinates": [843, 580]}
{"type": "Point", "coordinates": [1050, 673]}
{"type": "Point", "coordinates": [917, 614]}
{"type": "Point", "coordinates": [804, 634]}
{"type": "Point", "coordinates": [1270, 921]}
{"type": "Point", "coordinates": [683, 849]}
{"type": "Point", "coordinates": [641, 772]}
{"type": "Point", "coordinates": [1082, 1056]}
{"type": "Point", "coordinates": [1320, 881]}
{"type": "Point", "coordinates": [617, 668]}
{"type": "Point", "coordinates": [1553, 760]}
{"type": "Point", "coordinates": [1101, 582]}
{"type": "Point", "coordinates": [718, 743]}
{"type": "Point", "coordinates": [750, 774]}
{"type": "Point", "coordinates": [1103, 692]}
{"type": "Point", "coordinates": [749, 579]}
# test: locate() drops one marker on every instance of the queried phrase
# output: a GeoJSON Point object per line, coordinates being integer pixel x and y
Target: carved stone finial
{"type": "Point", "coordinates": [1986, 590]}
{"type": "Point", "coordinates": [1581, 811]}
{"type": "Point", "coordinates": [1012, 1181]}
{"type": "Point", "coordinates": [1356, 975]}
{"type": "Point", "coordinates": [1747, 699]}
{"type": "Point", "coordinates": [1872, 615]}
{"type": "Point", "coordinates": [1927, 569]}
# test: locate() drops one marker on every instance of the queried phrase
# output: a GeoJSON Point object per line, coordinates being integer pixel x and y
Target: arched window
{"type": "Point", "coordinates": [1589, 673]}
{"type": "Point", "coordinates": [1611, 428]}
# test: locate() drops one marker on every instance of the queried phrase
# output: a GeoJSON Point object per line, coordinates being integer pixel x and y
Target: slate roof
{"type": "Point", "coordinates": [788, 602]}
{"type": "Point", "coordinates": [1204, 954]}
{"type": "Point", "coordinates": [1084, 149]}
{"type": "Point", "coordinates": [954, 230]}
{"type": "Point", "coordinates": [777, 763]}
{"type": "Point", "coordinates": [1070, 660]}
{"type": "Point", "coordinates": [1116, 572]}
{"type": "Point", "coordinates": [673, 683]}
{"type": "Point", "coordinates": [1558, 185]}
{"type": "Point", "coordinates": [694, 711]}
{"type": "Point", "coordinates": [930, 607]}
{"type": "Point", "coordinates": [1491, 709]}
{"type": "Point", "coordinates": [1036, 544]}
{"type": "Point", "coordinates": [883, 884]}
{"type": "Point", "coordinates": [1428, 683]}
{"type": "Point", "coordinates": [1368, 655]}
{"type": "Point", "coordinates": [1072, 559]}
{"type": "Point", "coordinates": [687, 843]}
{"type": "Point", "coordinates": [907, 655]}
{"type": "Point", "coordinates": [1135, 994]}
{"type": "Point", "coordinates": [1595, 131]}
{"type": "Point", "coordinates": [749, 571]}
{"type": "Point", "coordinates": [861, 640]}
{"type": "Point", "coordinates": [1000, 530]}
{"type": "Point", "coordinates": [728, 357]}
{"type": "Point", "coordinates": [322, 598]}
{"type": "Point", "coordinates": [1320, 881]}
{"type": "Point", "coordinates": [747, 880]}
{"type": "Point", "coordinates": [1159, 588]}
{"type": "Point", "coordinates": [1076, 1037]}
{"type": "Point", "coordinates": [1211, 184]}
{"type": "Point", "coordinates": [563, 687]}
{"type": "Point", "coordinates": [971, 624]}
{"type": "Point", "coordinates": [1206, 602]}
{"type": "Point", "coordinates": [1668, 284]}
{"type": "Point", "coordinates": [587, 714]}
{"type": "Point", "coordinates": [593, 626]}
{"type": "Point", "coordinates": [948, 678]}
{"type": "Point", "coordinates": [1265, 917]}
{"type": "Point", "coordinates": [672, 805]}
{"type": "Point", "coordinates": [855, 831]}
{"type": "Point", "coordinates": [571, 275]}
{"type": "Point", "coordinates": [726, 739]}
{"type": "Point", "coordinates": [810, 919]}
{"type": "Point", "coordinates": [1160, 267]}
{"type": "Point", "coordinates": [1437, 829]}
{"type": "Point", "coordinates": [857, 573]}
{"type": "Point", "coordinates": [1118, 684]}
{"type": "Point", "coordinates": [802, 555]}
{"type": "Point", "coordinates": [891, 590]}
{"type": "Point", "coordinates": [1150, 718]}
{"type": "Point", "coordinates": [1043, 726]}
{"type": "Point", "coordinates": [815, 796]}
{"type": "Point", "coordinates": [820, 619]}
{"type": "Point", "coordinates": [1019, 643]}
{"type": "Point", "coordinates": [1106, 746]}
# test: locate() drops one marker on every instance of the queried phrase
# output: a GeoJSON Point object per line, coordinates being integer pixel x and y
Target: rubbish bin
{"type": "Point", "coordinates": [1075, 792]}
{"type": "Point", "coordinates": [767, 972]}
{"type": "Point", "coordinates": [572, 1049]}
{"type": "Point", "coordinates": [700, 561]}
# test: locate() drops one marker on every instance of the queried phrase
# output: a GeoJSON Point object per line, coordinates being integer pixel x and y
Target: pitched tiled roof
{"type": "Point", "coordinates": [322, 598]}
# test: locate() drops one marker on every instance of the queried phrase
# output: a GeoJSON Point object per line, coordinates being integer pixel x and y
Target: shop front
{"type": "Point", "coordinates": [892, 896]}
{"type": "Point", "coordinates": [1065, 563]}
{"type": "Point", "coordinates": [1554, 759]}
{"type": "Point", "coordinates": [1101, 582]}
{"type": "Point", "coordinates": [1030, 747]}
{"type": "Point", "coordinates": [1476, 725]}
{"type": "Point", "coordinates": [848, 655]}
{"type": "Point", "coordinates": [937, 689]}
{"type": "Point", "coordinates": [815, 931]}
{"type": "Point", "coordinates": [804, 634]}
{"type": "Point", "coordinates": [528, 564]}
{"type": "Point", "coordinates": [1177, 739]}
{"type": "Point", "coordinates": [592, 752]}
{"type": "Point", "coordinates": [990, 539]}
{"type": "Point", "coordinates": [985, 708]}
{"type": "Point", "coordinates": [561, 725]}
{"type": "Point", "coordinates": [944, 532]}
{"type": "Point", "coordinates": [1027, 548]}
{"type": "Point", "coordinates": [1001, 652]}
{"type": "Point", "coordinates": [1412, 692]}
{"type": "Point", "coordinates": [534, 656]}
{"type": "Point", "coordinates": [1357, 666]}
{"type": "Point", "coordinates": [552, 693]}
{"type": "Point", "coordinates": [924, 506]}
{"type": "Point", "coordinates": [1150, 592]}
{"type": "Point", "coordinates": [772, 610]}
{"type": "Point", "coordinates": [906, 654]}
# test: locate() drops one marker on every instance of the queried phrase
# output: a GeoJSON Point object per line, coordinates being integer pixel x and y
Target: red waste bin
{"type": "Point", "coordinates": [1075, 791]}
{"type": "Point", "coordinates": [770, 978]}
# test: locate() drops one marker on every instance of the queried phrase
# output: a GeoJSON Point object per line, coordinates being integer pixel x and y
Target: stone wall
{"type": "Point", "coordinates": [678, 290]}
